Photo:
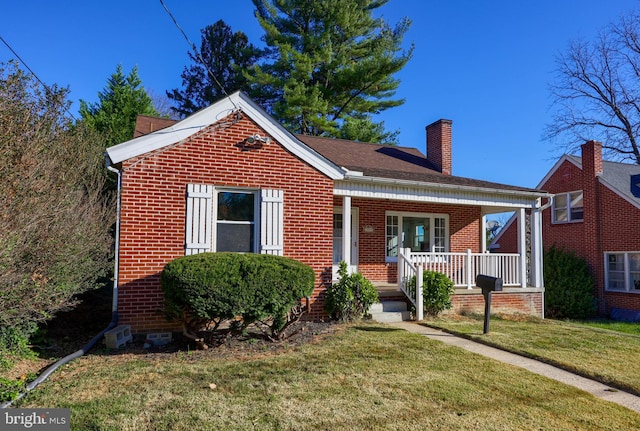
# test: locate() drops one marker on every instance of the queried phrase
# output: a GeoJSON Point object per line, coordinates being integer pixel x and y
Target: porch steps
{"type": "Point", "coordinates": [389, 311]}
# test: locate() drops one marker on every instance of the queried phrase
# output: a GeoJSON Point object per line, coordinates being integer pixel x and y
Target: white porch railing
{"type": "Point", "coordinates": [407, 270]}
{"type": "Point", "coordinates": [462, 268]}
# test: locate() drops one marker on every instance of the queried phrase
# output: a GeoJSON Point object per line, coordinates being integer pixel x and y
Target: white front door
{"type": "Point", "coordinates": [337, 240]}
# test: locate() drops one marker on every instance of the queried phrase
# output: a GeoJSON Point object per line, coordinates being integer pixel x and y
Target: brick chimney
{"type": "Point", "coordinates": [439, 145]}
{"type": "Point", "coordinates": [591, 159]}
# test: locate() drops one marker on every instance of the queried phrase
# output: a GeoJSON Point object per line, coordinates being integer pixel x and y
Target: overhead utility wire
{"type": "Point", "coordinates": [195, 50]}
{"type": "Point", "coordinates": [49, 92]}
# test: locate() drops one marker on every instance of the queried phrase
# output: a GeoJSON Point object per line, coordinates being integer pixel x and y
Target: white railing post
{"type": "Point", "coordinates": [469, 269]}
{"type": "Point", "coordinates": [401, 274]}
{"type": "Point", "coordinates": [419, 300]}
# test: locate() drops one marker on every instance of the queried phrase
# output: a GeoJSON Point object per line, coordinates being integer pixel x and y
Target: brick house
{"type": "Point", "coordinates": [231, 178]}
{"type": "Point", "coordinates": [595, 213]}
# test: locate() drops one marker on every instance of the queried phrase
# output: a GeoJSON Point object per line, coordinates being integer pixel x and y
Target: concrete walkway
{"type": "Point", "coordinates": [595, 388]}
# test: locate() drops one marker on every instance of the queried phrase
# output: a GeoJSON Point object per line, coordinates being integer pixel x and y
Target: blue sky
{"type": "Point", "coordinates": [486, 65]}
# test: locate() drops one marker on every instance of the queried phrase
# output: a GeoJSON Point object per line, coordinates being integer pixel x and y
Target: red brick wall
{"type": "Point", "coordinates": [464, 232]}
{"type": "Point", "coordinates": [153, 211]}
{"type": "Point", "coordinates": [620, 227]}
{"type": "Point", "coordinates": [501, 302]}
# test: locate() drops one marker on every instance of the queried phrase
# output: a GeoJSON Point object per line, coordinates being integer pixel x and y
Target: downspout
{"type": "Point", "coordinates": [114, 309]}
{"type": "Point", "coordinates": [116, 269]}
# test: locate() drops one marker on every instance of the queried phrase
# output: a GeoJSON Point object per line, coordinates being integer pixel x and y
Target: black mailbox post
{"type": "Point", "coordinates": [488, 284]}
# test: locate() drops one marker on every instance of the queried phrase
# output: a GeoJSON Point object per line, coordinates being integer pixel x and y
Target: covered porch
{"type": "Point", "coordinates": [391, 231]}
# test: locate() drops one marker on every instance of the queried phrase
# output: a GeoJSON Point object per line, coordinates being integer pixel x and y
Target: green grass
{"type": "Point", "coordinates": [367, 377]}
{"type": "Point", "coordinates": [605, 351]}
{"type": "Point", "coordinates": [611, 325]}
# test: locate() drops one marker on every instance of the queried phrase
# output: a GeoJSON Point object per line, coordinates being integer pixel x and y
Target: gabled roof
{"type": "Point", "coordinates": [236, 102]}
{"type": "Point", "coordinates": [393, 162]}
{"type": "Point", "coordinates": [336, 158]}
{"type": "Point", "coordinates": [616, 176]}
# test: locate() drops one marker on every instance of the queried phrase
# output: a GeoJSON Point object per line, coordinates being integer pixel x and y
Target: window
{"type": "Point", "coordinates": [233, 220]}
{"type": "Point", "coordinates": [568, 207]}
{"type": "Point", "coordinates": [419, 232]}
{"type": "Point", "coordinates": [622, 271]}
{"type": "Point", "coordinates": [236, 222]}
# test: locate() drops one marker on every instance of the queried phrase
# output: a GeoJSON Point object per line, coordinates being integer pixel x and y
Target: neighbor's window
{"type": "Point", "coordinates": [419, 232]}
{"type": "Point", "coordinates": [568, 207]}
{"type": "Point", "coordinates": [622, 271]}
{"type": "Point", "coordinates": [236, 221]}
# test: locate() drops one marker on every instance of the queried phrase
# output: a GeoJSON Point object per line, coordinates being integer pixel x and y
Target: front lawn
{"type": "Point", "coordinates": [587, 348]}
{"type": "Point", "coordinates": [365, 377]}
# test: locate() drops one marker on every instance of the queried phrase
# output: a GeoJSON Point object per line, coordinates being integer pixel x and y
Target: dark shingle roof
{"type": "Point", "coordinates": [391, 162]}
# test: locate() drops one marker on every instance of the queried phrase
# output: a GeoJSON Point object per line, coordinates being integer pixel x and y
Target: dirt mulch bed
{"type": "Point", "coordinates": [72, 330]}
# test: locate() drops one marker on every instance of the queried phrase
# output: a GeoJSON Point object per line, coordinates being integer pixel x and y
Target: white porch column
{"type": "Point", "coordinates": [522, 246]}
{"type": "Point", "coordinates": [536, 249]}
{"type": "Point", "coordinates": [346, 231]}
{"type": "Point", "coordinates": [483, 233]}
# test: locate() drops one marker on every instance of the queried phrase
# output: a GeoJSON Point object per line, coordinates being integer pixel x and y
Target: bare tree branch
{"type": "Point", "coordinates": [597, 91]}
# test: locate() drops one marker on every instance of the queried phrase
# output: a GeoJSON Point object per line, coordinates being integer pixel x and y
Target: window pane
{"type": "Point", "coordinates": [560, 201]}
{"type": "Point", "coordinates": [236, 206]}
{"type": "Point", "coordinates": [392, 236]}
{"type": "Point", "coordinates": [439, 235]}
{"type": "Point", "coordinates": [616, 281]}
{"type": "Point", "coordinates": [337, 238]}
{"type": "Point", "coordinates": [415, 233]}
{"type": "Point", "coordinates": [615, 272]}
{"type": "Point", "coordinates": [634, 280]}
{"type": "Point", "coordinates": [634, 271]}
{"type": "Point", "coordinates": [576, 206]}
{"type": "Point", "coordinates": [616, 262]}
{"type": "Point", "coordinates": [560, 214]}
{"type": "Point", "coordinates": [634, 262]}
{"type": "Point", "coordinates": [235, 237]}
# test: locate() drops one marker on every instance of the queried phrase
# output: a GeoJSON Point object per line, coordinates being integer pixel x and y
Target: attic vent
{"type": "Point", "coordinates": [635, 185]}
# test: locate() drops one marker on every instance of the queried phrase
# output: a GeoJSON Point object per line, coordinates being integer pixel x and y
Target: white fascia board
{"type": "Point", "coordinates": [172, 134]}
{"type": "Point", "coordinates": [237, 101]}
{"type": "Point", "coordinates": [518, 194]}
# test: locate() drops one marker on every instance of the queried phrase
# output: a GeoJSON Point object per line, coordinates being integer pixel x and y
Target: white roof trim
{"type": "Point", "coordinates": [439, 186]}
{"type": "Point", "coordinates": [219, 110]}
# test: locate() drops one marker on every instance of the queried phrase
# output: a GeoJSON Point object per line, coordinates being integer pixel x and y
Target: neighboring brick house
{"type": "Point", "coordinates": [595, 213]}
{"type": "Point", "coordinates": [230, 178]}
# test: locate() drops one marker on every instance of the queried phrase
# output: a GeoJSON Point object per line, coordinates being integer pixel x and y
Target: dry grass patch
{"type": "Point", "coordinates": [368, 377]}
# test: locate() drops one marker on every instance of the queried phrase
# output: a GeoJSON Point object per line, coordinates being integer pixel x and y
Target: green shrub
{"type": "Point", "coordinates": [208, 288]}
{"type": "Point", "coordinates": [437, 289]}
{"type": "Point", "coordinates": [569, 286]}
{"type": "Point", "coordinates": [351, 297]}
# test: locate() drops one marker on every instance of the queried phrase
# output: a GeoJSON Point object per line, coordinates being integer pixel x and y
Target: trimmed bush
{"type": "Point", "coordinates": [569, 286]}
{"type": "Point", "coordinates": [437, 289]}
{"type": "Point", "coordinates": [206, 289]}
{"type": "Point", "coordinates": [351, 297]}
